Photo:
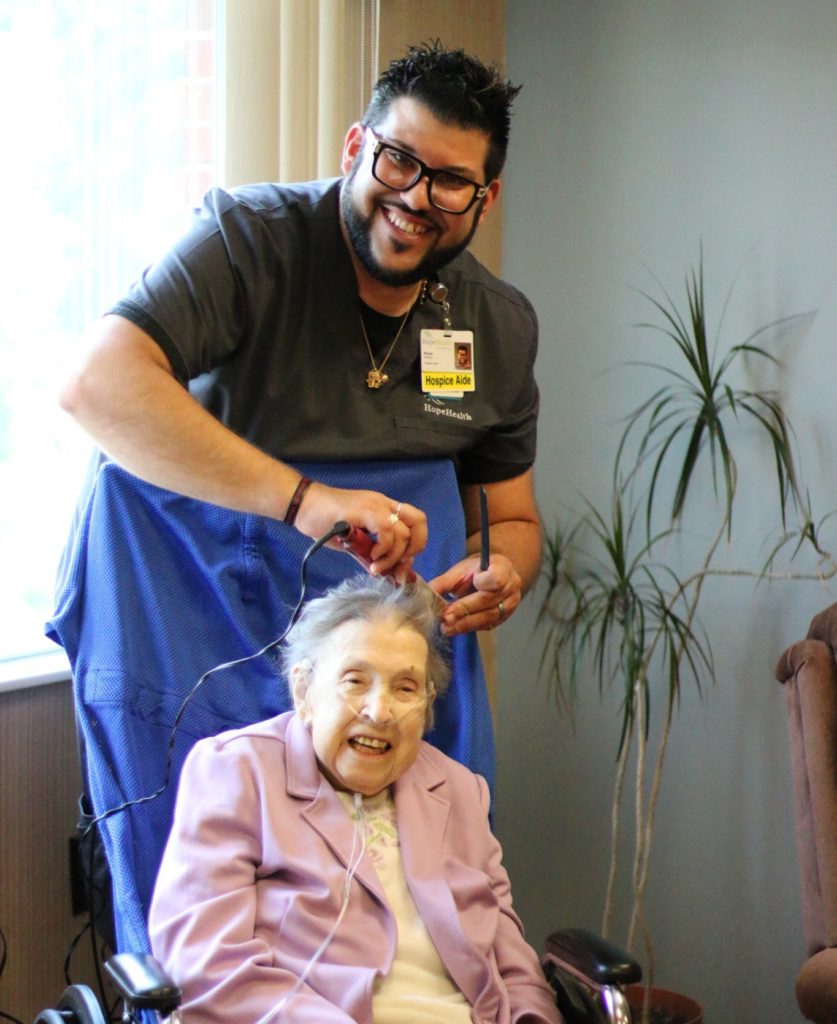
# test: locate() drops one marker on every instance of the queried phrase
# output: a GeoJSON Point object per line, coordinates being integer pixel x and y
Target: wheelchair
{"type": "Point", "coordinates": [586, 973]}
{"type": "Point", "coordinates": [161, 590]}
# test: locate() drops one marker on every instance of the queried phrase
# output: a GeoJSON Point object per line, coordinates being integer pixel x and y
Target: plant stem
{"type": "Point", "coordinates": [615, 808]}
{"type": "Point", "coordinates": [645, 818]}
{"type": "Point", "coordinates": [642, 849]}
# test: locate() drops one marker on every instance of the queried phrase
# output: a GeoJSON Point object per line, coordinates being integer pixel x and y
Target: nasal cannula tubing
{"type": "Point", "coordinates": [359, 831]}
{"type": "Point", "coordinates": [351, 870]}
{"type": "Point", "coordinates": [339, 529]}
{"type": "Point", "coordinates": [353, 864]}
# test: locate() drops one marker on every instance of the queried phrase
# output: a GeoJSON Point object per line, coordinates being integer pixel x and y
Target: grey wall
{"type": "Point", "coordinates": [645, 128]}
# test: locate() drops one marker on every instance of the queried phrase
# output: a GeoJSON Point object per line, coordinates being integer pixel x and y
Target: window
{"type": "Point", "coordinates": [109, 139]}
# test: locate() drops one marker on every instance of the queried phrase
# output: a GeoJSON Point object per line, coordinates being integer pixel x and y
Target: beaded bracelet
{"type": "Point", "coordinates": [296, 500]}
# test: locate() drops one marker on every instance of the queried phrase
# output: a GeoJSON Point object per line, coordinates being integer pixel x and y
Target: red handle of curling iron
{"type": "Point", "coordinates": [359, 545]}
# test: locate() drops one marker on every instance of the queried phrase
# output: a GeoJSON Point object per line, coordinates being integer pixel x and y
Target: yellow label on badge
{"type": "Point", "coordinates": [434, 380]}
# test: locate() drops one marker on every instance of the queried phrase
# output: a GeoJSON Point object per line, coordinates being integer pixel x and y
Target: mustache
{"type": "Point", "coordinates": [424, 216]}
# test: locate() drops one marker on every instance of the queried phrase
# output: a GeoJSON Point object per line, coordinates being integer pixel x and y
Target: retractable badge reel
{"type": "Point", "coordinates": [447, 356]}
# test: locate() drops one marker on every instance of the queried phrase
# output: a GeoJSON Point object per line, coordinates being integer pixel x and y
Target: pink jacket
{"type": "Point", "coordinates": [251, 882]}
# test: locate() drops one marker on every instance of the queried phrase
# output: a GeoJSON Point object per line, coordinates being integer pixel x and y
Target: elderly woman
{"type": "Point", "coordinates": [329, 865]}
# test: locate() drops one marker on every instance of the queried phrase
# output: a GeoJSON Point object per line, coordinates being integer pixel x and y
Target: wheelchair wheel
{"type": "Point", "coordinates": [79, 1001]}
{"type": "Point", "coordinates": [51, 1017]}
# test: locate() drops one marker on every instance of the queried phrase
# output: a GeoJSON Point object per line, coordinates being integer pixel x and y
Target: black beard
{"type": "Point", "coordinates": [358, 229]}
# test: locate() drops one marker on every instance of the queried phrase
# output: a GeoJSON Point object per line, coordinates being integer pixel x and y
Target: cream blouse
{"type": "Point", "coordinates": [418, 988]}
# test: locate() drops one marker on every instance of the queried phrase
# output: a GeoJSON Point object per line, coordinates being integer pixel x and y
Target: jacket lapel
{"type": "Point", "coordinates": [423, 811]}
{"type": "Point", "coordinates": [325, 812]}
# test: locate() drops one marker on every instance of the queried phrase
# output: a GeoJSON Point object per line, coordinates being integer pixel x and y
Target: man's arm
{"type": "Point", "coordinates": [127, 398]}
{"type": "Point", "coordinates": [515, 557]}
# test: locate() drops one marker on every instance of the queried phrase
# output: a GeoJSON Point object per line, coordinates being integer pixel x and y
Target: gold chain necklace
{"type": "Point", "coordinates": [376, 377]}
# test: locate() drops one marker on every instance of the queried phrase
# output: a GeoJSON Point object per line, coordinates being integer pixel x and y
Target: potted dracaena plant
{"type": "Point", "coordinates": [614, 612]}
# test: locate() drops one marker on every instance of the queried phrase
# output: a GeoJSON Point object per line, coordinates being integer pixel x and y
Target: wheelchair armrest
{"type": "Point", "coordinates": [592, 956]}
{"type": "Point", "coordinates": [143, 983]}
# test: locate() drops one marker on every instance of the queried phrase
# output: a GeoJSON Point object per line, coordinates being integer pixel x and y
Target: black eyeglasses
{"type": "Point", "coordinates": [399, 170]}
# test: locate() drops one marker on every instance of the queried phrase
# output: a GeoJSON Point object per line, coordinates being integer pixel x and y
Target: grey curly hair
{"type": "Point", "coordinates": [364, 598]}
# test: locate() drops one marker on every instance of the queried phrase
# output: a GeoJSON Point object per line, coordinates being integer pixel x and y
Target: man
{"type": "Point", "coordinates": [302, 320]}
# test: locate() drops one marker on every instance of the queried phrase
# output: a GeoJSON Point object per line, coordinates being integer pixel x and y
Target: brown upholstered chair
{"type": "Point", "coordinates": [808, 670]}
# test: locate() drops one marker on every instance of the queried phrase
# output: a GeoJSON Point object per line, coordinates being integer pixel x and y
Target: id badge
{"type": "Point", "coordinates": [447, 363]}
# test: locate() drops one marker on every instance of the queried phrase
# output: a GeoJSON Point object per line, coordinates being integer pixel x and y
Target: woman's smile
{"type": "Point", "coordinates": [366, 700]}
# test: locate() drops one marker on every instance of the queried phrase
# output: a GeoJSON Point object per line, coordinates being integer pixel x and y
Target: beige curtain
{"type": "Point", "coordinates": [327, 64]}
{"type": "Point", "coordinates": [298, 73]}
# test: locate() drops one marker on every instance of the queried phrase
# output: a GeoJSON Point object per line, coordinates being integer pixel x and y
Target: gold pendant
{"type": "Point", "coordinates": [374, 379]}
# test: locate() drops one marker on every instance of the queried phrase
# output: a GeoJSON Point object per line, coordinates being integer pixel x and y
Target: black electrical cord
{"type": "Point", "coordinates": [100, 953]}
{"type": "Point", "coordinates": [4, 955]}
{"type": "Point", "coordinates": [340, 529]}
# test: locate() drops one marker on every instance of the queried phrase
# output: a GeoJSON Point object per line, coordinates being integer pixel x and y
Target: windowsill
{"type": "Point", "coordinates": [36, 670]}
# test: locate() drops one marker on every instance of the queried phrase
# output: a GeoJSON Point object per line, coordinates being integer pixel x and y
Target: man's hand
{"type": "Point", "coordinates": [399, 530]}
{"type": "Point", "coordinates": [481, 599]}
{"type": "Point", "coordinates": [126, 397]}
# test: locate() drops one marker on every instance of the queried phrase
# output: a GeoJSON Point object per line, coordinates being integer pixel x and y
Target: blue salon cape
{"type": "Point", "coordinates": [161, 588]}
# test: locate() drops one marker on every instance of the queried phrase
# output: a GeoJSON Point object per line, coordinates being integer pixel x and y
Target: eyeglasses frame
{"type": "Point", "coordinates": [424, 172]}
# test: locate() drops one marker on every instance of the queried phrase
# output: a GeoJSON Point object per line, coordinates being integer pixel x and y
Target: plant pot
{"type": "Point", "coordinates": [666, 1007]}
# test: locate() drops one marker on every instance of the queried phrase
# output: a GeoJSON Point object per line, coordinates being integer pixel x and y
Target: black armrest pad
{"type": "Point", "coordinates": [143, 983]}
{"type": "Point", "coordinates": [593, 956]}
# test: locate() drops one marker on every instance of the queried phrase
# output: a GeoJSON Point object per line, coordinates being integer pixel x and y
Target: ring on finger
{"type": "Point", "coordinates": [501, 611]}
{"type": "Point", "coordinates": [395, 516]}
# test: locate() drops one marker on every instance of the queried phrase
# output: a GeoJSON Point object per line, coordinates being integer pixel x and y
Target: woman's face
{"type": "Point", "coordinates": [366, 701]}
